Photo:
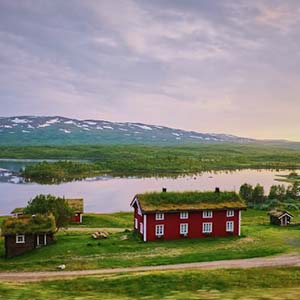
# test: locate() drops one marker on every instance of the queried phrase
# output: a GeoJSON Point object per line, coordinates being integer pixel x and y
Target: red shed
{"type": "Point", "coordinates": [175, 215]}
{"type": "Point", "coordinates": [77, 207]}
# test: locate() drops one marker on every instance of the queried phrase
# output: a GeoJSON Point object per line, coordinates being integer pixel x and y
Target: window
{"type": "Point", "coordinates": [184, 228]}
{"type": "Point", "coordinates": [229, 226]}
{"type": "Point", "coordinates": [135, 223]}
{"type": "Point", "coordinates": [141, 228]}
{"type": "Point", "coordinates": [159, 230]}
{"type": "Point", "coordinates": [184, 215]}
{"type": "Point", "coordinates": [207, 227]}
{"type": "Point", "coordinates": [207, 214]}
{"type": "Point", "coordinates": [159, 216]}
{"type": "Point", "coordinates": [230, 213]}
{"type": "Point", "coordinates": [20, 238]}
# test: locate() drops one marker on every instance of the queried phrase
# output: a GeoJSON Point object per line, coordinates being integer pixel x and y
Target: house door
{"type": "Point", "coordinates": [284, 221]}
{"type": "Point", "coordinates": [41, 240]}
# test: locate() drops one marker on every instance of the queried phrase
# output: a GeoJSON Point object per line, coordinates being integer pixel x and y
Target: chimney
{"type": "Point", "coordinates": [164, 190]}
{"type": "Point", "coordinates": [217, 190]}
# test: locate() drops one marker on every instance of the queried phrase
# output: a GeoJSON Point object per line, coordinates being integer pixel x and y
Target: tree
{"type": "Point", "coordinates": [246, 192]}
{"type": "Point", "coordinates": [293, 191]}
{"type": "Point", "coordinates": [50, 204]}
{"type": "Point", "coordinates": [258, 195]}
{"type": "Point", "coordinates": [277, 192]}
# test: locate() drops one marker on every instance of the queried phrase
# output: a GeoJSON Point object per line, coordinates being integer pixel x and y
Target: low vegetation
{"type": "Point", "coordinates": [125, 249]}
{"type": "Point", "coordinates": [148, 160]}
{"type": "Point", "coordinates": [279, 196]}
{"type": "Point", "coordinates": [247, 284]}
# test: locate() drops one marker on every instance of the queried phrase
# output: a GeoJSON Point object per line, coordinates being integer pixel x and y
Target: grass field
{"type": "Point", "coordinates": [113, 220]}
{"type": "Point", "coordinates": [249, 284]}
{"type": "Point", "coordinates": [79, 251]}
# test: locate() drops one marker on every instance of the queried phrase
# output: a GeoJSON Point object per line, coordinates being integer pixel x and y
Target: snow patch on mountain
{"type": "Point", "coordinates": [43, 125]}
{"type": "Point", "coordinates": [53, 121]}
{"type": "Point", "coordinates": [65, 130]}
{"type": "Point", "coordinates": [90, 122]}
{"type": "Point", "coordinates": [143, 127]}
{"type": "Point", "coordinates": [20, 121]}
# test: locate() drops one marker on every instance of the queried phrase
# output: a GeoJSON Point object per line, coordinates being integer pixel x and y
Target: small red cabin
{"type": "Point", "coordinates": [77, 207]}
{"type": "Point", "coordinates": [172, 215]}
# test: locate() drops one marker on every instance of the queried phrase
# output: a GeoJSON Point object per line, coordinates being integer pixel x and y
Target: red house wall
{"type": "Point", "coordinates": [76, 218]}
{"type": "Point", "coordinates": [195, 220]}
{"type": "Point", "coordinates": [138, 217]}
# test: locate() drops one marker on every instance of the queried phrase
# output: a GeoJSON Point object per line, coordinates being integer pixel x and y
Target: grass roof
{"type": "Point", "coordinates": [278, 213]}
{"type": "Point", "coordinates": [39, 223]}
{"type": "Point", "coordinates": [18, 210]}
{"type": "Point", "coordinates": [76, 205]}
{"type": "Point", "coordinates": [174, 201]}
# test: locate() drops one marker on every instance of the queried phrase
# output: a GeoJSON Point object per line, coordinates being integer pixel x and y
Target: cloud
{"type": "Point", "coordinates": [215, 66]}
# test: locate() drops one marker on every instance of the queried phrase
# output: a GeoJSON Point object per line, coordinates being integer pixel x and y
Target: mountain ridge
{"type": "Point", "coordinates": [58, 130]}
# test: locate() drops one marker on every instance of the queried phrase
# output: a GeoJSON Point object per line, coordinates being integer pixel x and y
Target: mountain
{"type": "Point", "coordinates": [31, 130]}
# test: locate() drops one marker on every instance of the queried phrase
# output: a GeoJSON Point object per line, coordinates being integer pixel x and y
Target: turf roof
{"type": "Point", "coordinates": [76, 205]}
{"type": "Point", "coordinates": [278, 213]}
{"type": "Point", "coordinates": [18, 210]}
{"type": "Point", "coordinates": [175, 201]}
{"type": "Point", "coordinates": [29, 224]}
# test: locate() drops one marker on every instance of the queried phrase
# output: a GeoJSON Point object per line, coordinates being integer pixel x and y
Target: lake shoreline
{"type": "Point", "coordinates": [111, 194]}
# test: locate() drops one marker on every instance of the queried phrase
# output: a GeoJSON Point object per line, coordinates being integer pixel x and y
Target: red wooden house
{"type": "Point", "coordinates": [26, 233]}
{"type": "Point", "coordinates": [170, 215]}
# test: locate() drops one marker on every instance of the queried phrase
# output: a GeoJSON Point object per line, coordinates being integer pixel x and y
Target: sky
{"type": "Point", "coordinates": [222, 66]}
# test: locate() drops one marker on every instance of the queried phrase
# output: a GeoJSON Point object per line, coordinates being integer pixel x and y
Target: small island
{"type": "Point", "coordinates": [293, 177]}
{"type": "Point", "coordinates": [58, 172]}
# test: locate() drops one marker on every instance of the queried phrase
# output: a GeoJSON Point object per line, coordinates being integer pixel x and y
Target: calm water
{"type": "Point", "coordinates": [114, 194]}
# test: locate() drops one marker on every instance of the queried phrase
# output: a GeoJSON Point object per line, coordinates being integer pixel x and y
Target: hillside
{"type": "Point", "coordinates": [29, 130]}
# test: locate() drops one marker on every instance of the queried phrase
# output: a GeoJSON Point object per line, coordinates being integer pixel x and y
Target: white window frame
{"type": "Point", "coordinates": [207, 214]}
{"type": "Point", "coordinates": [230, 226]}
{"type": "Point", "coordinates": [141, 228]}
{"type": "Point", "coordinates": [159, 230]}
{"type": "Point", "coordinates": [159, 216]}
{"type": "Point", "coordinates": [184, 228]}
{"type": "Point", "coordinates": [136, 223]}
{"type": "Point", "coordinates": [22, 236]}
{"type": "Point", "coordinates": [205, 229]}
{"type": "Point", "coordinates": [230, 213]}
{"type": "Point", "coordinates": [184, 215]}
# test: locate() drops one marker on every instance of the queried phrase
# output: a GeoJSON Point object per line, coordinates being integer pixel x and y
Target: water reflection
{"type": "Point", "coordinates": [110, 194]}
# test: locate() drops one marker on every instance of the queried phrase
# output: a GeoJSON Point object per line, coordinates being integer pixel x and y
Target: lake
{"type": "Point", "coordinates": [108, 194]}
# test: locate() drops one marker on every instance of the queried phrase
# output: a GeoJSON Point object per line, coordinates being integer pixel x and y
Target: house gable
{"type": "Point", "coordinates": [135, 202]}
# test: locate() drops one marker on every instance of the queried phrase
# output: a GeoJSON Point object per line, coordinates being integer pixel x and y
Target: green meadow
{"type": "Point", "coordinates": [112, 220]}
{"type": "Point", "coordinates": [247, 284]}
{"type": "Point", "coordinates": [79, 251]}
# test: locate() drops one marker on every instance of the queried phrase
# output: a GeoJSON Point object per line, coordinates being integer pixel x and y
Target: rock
{"type": "Point", "coordinates": [100, 235]}
{"type": "Point", "coordinates": [61, 267]}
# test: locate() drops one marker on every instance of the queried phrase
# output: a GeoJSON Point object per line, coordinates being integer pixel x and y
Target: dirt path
{"type": "Point", "coordinates": [93, 229]}
{"type": "Point", "coordinates": [277, 261]}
